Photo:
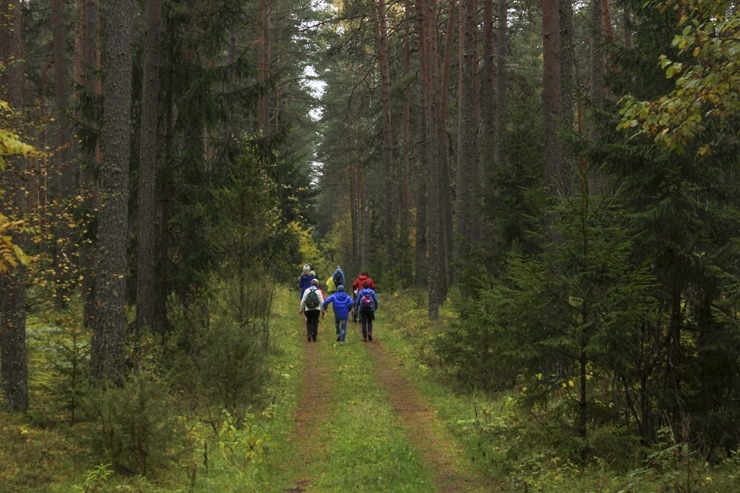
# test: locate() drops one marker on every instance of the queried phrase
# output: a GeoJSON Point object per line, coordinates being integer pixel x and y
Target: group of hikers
{"type": "Point", "coordinates": [360, 304]}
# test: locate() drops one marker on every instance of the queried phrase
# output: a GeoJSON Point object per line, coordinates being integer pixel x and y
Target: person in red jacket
{"type": "Point", "coordinates": [359, 283]}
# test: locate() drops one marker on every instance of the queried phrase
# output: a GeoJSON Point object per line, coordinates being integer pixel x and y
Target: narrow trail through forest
{"type": "Point", "coordinates": [425, 432]}
{"type": "Point", "coordinates": [313, 407]}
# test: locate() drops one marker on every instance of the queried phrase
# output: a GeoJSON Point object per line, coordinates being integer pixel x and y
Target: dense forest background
{"type": "Point", "coordinates": [561, 176]}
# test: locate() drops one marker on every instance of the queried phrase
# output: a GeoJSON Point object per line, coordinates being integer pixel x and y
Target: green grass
{"type": "Point", "coordinates": [362, 446]}
{"type": "Point", "coordinates": [504, 444]}
{"type": "Point", "coordinates": [361, 443]}
{"type": "Point", "coordinates": [367, 449]}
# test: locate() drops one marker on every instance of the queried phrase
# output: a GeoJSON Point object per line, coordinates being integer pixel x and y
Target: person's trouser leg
{"type": "Point", "coordinates": [363, 321]}
{"type": "Point", "coordinates": [312, 322]}
{"type": "Point", "coordinates": [342, 329]}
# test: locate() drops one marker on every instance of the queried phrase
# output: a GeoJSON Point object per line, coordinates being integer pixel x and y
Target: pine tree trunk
{"type": "Point", "coordinates": [596, 64]}
{"type": "Point", "coordinates": [147, 218]}
{"type": "Point", "coordinates": [488, 101]}
{"type": "Point", "coordinates": [404, 186]}
{"type": "Point", "coordinates": [263, 67]}
{"type": "Point", "coordinates": [390, 199]}
{"type": "Point", "coordinates": [555, 176]}
{"type": "Point", "coordinates": [567, 62]}
{"type": "Point", "coordinates": [446, 244]}
{"type": "Point", "coordinates": [13, 355]}
{"type": "Point", "coordinates": [63, 186]}
{"type": "Point", "coordinates": [87, 66]}
{"type": "Point", "coordinates": [502, 77]}
{"type": "Point", "coordinates": [434, 129]}
{"type": "Point", "coordinates": [467, 131]}
{"type": "Point", "coordinates": [109, 321]}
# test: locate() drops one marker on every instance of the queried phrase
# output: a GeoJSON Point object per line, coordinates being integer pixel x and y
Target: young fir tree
{"type": "Point", "coordinates": [564, 318]}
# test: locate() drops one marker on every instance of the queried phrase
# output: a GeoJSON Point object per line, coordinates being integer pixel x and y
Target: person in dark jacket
{"type": "Point", "coordinates": [357, 285]}
{"type": "Point", "coordinates": [338, 278]}
{"type": "Point", "coordinates": [366, 303]}
{"type": "Point", "coordinates": [343, 304]}
{"type": "Point", "coordinates": [304, 281]}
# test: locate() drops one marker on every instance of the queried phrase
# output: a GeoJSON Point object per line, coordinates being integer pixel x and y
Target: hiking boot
{"type": "Point", "coordinates": [339, 339]}
{"type": "Point", "coordinates": [369, 337]}
{"type": "Point", "coordinates": [364, 339]}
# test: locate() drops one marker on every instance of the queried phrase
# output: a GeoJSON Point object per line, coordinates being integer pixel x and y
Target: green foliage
{"type": "Point", "coordinates": [704, 102]}
{"type": "Point", "coordinates": [135, 427]}
{"type": "Point", "coordinates": [10, 142]}
{"type": "Point", "coordinates": [560, 322]}
{"type": "Point", "coordinates": [97, 478]}
{"type": "Point", "coordinates": [69, 362]}
{"type": "Point", "coordinates": [220, 349]}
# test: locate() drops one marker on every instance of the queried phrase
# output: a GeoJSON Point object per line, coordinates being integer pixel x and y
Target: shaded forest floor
{"type": "Point", "coordinates": [383, 416]}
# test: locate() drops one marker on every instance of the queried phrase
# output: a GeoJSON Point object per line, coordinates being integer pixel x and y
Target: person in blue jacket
{"type": "Point", "coordinates": [338, 277]}
{"type": "Point", "coordinates": [366, 302]}
{"type": "Point", "coordinates": [342, 305]}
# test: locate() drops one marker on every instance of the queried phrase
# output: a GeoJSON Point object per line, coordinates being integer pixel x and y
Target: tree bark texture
{"type": "Point", "coordinates": [502, 77]}
{"type": "Point", "coordinates": [555, 176]}
{"type": "Point", "coordinates": [404, 186]}
{"type": "Point", "coordinates": [87, 68]}
{"type": "Point", "coordinates": [444, 158]}
{"type": "Point", "coordinates": [263, 67]}
{"type": "Point", "coordinates": [488, 100]}
{"type": "Point", "coordinates": [467, 223]}
{"type": "Point", "coordinates": [427, 12]}
{"type": "Point", "coordinates": [390, 201]}
{"type": "Point", "coordinates": [109, 326]}
{"type": "Point", "coordinates": [567, 62]}
{"type": "Point", "coordinates": [64, 183]}
{"type": "Point", "coordinates": [596, 62]}
{"type": "Point", "coordinates": [13, 355]}
{"type": "Point", "coordinates": [147, 218]}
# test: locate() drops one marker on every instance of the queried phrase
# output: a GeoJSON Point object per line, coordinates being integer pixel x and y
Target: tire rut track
{"type": "Point", "coordinates": [312, 410]}
{"type": "Point", "coordinates": [435, 445]}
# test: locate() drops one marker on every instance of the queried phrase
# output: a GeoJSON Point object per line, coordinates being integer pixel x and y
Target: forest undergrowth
{"type": "Point", "coordinates": [380, 416]}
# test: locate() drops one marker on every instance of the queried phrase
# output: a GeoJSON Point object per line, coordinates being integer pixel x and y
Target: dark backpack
{"type": "Point", "coordinates": [312, 300]}
{"type": "Point", "coordinates": [366, 302]}
{"type": "Point", "coordinates": [337, 279]}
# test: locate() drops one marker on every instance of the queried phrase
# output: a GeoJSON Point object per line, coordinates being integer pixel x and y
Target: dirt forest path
{"type": "Point", "coordinates": [313, 408]}
{"type": "Point", "coordinates": [435, 446]}
{"type": "Point", "coordinates": [425, 431]}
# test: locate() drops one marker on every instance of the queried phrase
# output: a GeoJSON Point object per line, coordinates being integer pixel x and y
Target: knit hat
{"type": "Point", "coordinates": [340, 289]}
{"type": "Point", "coordinates": [306, 268]}
{"type": "Point", "coordinates": [314, 282]}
